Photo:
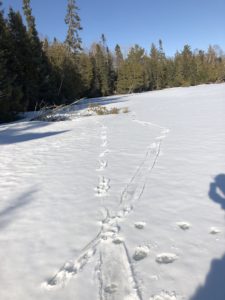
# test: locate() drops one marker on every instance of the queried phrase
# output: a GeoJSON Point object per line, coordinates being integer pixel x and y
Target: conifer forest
{"type": "Point", "coordinates": [36, 73]}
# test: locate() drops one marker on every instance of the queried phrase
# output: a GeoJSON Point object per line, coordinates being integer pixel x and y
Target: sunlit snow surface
{"type": "Point", "coordinates": [73, 194]}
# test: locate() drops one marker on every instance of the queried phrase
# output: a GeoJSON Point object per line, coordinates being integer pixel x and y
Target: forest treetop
{"type": "Point", "coordinates": [35, 72]}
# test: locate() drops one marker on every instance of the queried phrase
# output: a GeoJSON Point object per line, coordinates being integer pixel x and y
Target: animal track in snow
{"type": "Point", "coordinates": [116, 272]}
{"type": "Point", "coordinates": [164, 296]}
{"type": "Point", "coordinates": [104, 137]}
{"type": "Point", "coordinates": [118, 240]}
{"type": "Point", "coordinates": [161, 137]}
{"type": "Point", "coordinates": [140, 253]}
{"type": "Point", "coordinates": [154, 277]}
{"type": "Point", "coordinates": [214, 230]}
{"type": "Point", "coordinates": [103, 165]}
{"type": "Point", "coordinates": [166, 258]}
{"type": "Point", "coordinates": [104, 153]}
{"type": "Point", "coordinates": [165, 131]}
{"type": "Point", "coordinates": [104, 144]}
{"type": "Point", "coordinates": [140, 225]}
{"type": "Point", "coordinates": [153, 146]}
{"type": "Point", "coordinates": [69, 270]}
{"type": "Point", "coordinates": [103, 186]}
{"type": "Point", "coordinates": [184, 225]}
{"type": "Point", "coordinates": [112, 288]}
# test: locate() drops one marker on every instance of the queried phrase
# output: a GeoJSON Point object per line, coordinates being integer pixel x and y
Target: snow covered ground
{"type": "Point", "coordinates": [117, 207]}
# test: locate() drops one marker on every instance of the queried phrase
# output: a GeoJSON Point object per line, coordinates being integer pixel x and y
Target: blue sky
{"type": "Point", "coordinates": [177, 22]}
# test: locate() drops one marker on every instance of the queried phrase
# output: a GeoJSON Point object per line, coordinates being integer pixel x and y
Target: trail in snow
{"type": "Point", "coordinates": [116, 275]}
{"type": "Point", "coordinates": [117, 279]}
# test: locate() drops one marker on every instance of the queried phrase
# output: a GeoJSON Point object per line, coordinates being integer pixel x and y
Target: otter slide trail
{"type": "Point", "coordinates": [117, 207]}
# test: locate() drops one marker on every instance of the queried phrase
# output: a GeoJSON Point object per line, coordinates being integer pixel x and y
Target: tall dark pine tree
{"type": "Point", "coordinates": [118, 57]}
{"type": "Point", "coordinates": [21, 59]}
{"type": "Point", "coordinates": [13, 62]}
{"type": "Point", "coordinates": [72, 19]}
{"type": "Point", "coordinates": [39, 67]}
{"type": "Point", "coordinates": [30, 20]}
{"type": "Point", "coordinates": [5, 82]}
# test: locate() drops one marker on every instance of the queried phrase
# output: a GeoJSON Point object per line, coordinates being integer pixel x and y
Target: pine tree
{"type": "Point", "coordinates": [162, 68]}
{"type": "Point", "coordinates": [67, 78]}
{"type": "Point", "coordinates": [40, 71]}
{"type": "Point", "coordinates": [72, 19]}
{"type": "Point", "coordinates": [30, 21]}
{"type": "Point", "coordinates": [14, 77]}
{"type": "Point", "coordinates": [154, 67]}
{"type": "Point", "coordinates": [20, 63]}
{"type": "Point", "coordinates": [187, 64]}
{"type": "Point", "coordinates": [131, 76]}
{"type": "Point", "coordinates": [111, 71]}
{"type": "Point", "coordinates": [86, 72]}
{"type": "Point", "coordinates": [118, 57]}
{"type": "Point", "coordinates": [103, 70]}
{"type": "Point", "coordinates": [118, 62]}
{"type": "Point", "coordinates": [171, 72]}
{"type": "Point", "coordinates": [201, 70]}
{"type": "Point", "coordinates": [5, 80]}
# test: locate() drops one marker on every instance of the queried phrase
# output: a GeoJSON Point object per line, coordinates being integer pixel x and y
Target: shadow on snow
{"type": "Point", "coordinates": [214, 287]}
{"type": "Point", "coordinates": [17, 134]}
{"type": "Point", "coordinates": [9, 213]}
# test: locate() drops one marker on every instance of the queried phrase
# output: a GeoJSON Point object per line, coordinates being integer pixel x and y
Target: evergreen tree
{"type": "Point", "coordinates": [30, 21]}
{"type": "Point", "coordinates": [154, 67]}
{"type": "Point", "coordinates": [66, 76]}
{"type": "Point", "coordinates": [111, 71]}
{"type": "Point", "coordinates": [187, 66]}
{"type": "Point", "coordinates": [86, 72]}
{"type": "Point", "coordinates": [118, 62]}
{"type": "Point", "coordinates": [40, 71]}
{"type": "Point", "coordinates": [131, 74]}
{"type": "Point", "coordinates": [201, 69]}
{"type": "Point", "coordinates": [108, 73]}
{"type": "Point", "coordinates": [102, 70]}
{"type": "Point", "coordinates": [72, 19]}
{"type": "Point", "coordinates": [20, 63]}
{"type": "Point", "coordinates": [162, 68]}
{"type": "Point", "coordinates": [104, 76]}
{"type": "Point", "coordinates": [5, 76]}
{"type": "Point", "coordinates": [14, 75]}
{"type": "Point", "coordinates": [171, 72]}
{"type": "Point", "coordinates": [118, 57]}
{"type": "Point", "coordinates": [32, 72]}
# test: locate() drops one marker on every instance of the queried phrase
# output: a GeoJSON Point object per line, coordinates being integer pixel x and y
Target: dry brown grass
{"type": "Point", "coordinates": [102, 110]}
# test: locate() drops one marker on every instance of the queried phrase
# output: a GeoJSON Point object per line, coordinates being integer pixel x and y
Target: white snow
{"type": "Point", "coordinates": [164, 296]}
{"type": "Point", "coordinates": [74, 194]}
{"type": "Point", "coordinates": [140, 253]}
{"type": "Point", "coordinates": [214, 230]}
{"type": "Point", "coordinates": [184, 225]}
{"type": "Point", "coordinates": [140, 225]}
{"type": "Point", "coordinates": [166, 258]}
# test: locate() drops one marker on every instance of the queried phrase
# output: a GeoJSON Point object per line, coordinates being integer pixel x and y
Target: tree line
{"type": "Point", "coordinates": [36, 73]}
